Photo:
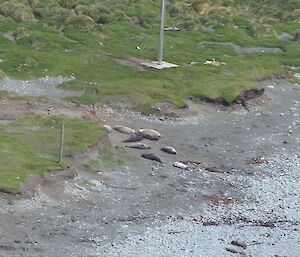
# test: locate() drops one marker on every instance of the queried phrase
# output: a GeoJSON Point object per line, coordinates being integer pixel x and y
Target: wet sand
{"type": "Point", "coordinates": [143, 208]}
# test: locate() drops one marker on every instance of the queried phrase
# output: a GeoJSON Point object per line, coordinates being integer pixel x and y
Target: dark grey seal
{"type": "Point", "coordinates": [133, 138]}
{"type": "Point", "coordinates": [152, 157]}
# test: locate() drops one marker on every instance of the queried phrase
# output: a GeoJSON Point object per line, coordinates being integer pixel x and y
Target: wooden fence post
{"type": "Point", "coordinates": [61, 149]}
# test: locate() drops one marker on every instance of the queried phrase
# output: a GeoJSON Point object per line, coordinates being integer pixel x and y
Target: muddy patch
{"type": "Point", "coordinates": [134, 62]}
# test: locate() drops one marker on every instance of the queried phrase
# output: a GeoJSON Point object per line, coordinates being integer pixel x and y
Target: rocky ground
{"type": "Point", "coordinates": [242, 184]}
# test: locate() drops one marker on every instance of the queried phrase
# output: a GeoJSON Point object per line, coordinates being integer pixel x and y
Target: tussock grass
{"type": "Point", "coordinates": [17, 10]}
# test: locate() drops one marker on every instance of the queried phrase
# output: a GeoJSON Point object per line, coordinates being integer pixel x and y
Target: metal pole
{"type": "Point", "coordinates": [161, 34]}
{"type": "Point", "coordinates": [61, 148]}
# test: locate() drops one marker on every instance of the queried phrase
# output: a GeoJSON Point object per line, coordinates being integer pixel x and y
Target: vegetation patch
{"type": "Point", "coordinates": [85, 38]}
{"type": "Point", "coordinates": [31, 146]}
{"type": "Point", "coordinates": [17, 10]}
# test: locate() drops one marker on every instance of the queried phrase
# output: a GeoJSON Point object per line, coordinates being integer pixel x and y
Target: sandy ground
{"type": "Point", "coordinates": [144, 208]}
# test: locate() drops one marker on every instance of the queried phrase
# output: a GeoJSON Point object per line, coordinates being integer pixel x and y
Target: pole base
{"type": "Point", "coordinates": [156, 65]}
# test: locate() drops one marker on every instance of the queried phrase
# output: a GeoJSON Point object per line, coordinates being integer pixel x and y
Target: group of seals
{"type": "Point", "coordinates": [150, 134]}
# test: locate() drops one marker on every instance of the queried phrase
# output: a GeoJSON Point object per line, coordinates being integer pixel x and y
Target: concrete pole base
{"type": "Point", "coordinates": [156, 65]}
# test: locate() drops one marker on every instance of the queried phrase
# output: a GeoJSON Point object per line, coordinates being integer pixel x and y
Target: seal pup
{"type": "Point", "coordinates": [168, 149]}
{"type": "Point", "coordinates": [150, 134]}
{"type": "Point", "coordinates": [134, 138]}
{"type": "Point", "coordinates": [180, 165]}
{"type": "Point", "coordinates": [139, 146]}
{"type": "Point", "coordinates": [123, 129]}
{"type": "Point", "coordinates": [152, 157]}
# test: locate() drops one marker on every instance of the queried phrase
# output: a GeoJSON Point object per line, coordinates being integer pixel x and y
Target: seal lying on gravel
{"type": "Point", "coordinates": [139, 146]}
{"type": "Point", "coordinates": [133, 138]}
{"type": "Point", "coordinates": [150, 134]}
{"type": "Point", "coordinates": [124, 129]}
{"type": "Point", "coordinates": [180, 165]}
{"type": "Point", "coordinates": [168, 149]}
{"type": "Point", "coordinates": [152, 157]}
{"type": "Point", "coordinates": [108, 128]}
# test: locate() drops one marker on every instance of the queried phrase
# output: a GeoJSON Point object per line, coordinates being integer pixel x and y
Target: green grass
{"type": "Point", "coordinates": [102, 33]}
{"type": "Point", "coordinates": [31, 146]}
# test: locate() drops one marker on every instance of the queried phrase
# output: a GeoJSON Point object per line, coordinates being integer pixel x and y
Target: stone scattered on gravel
{"type": "Point", "coordinates": [214, 169]}
{"type": "Point", "coordinates": [123, 129]}
{"type": "Point", "coordinates": [169, 149]}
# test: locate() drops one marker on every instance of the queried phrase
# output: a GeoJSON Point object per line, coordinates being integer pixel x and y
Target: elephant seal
{"type": "Point", "coordinates": [180, 165]}
{"type": "Point", "coordinates": [123, 129]}
{"type": "Point", "coordinates": [152, 157]}
{"type": "Point", "coordinates": [108, 128]}
{"type": "Point", "coordinates": [150, 134]}
{"type": "Point", "coordinates": [168, 149]}
{"type": "Point", "coordinates": [133, 138]}
{"type": "Point", "coordinates": [139, 146]}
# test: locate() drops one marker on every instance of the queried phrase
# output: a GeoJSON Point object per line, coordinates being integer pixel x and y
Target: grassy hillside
{"type": "Point", "coordinates": [97, 39]}
{"type": "Point", "coordinates": [31, 146]}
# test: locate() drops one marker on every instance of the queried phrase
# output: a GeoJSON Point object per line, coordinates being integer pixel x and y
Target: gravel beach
{"type": "Point", "coordinates": [242, 183]}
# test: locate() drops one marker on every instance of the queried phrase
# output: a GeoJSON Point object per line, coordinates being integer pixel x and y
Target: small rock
{"type": "Point", "coordinates": [214, 169]}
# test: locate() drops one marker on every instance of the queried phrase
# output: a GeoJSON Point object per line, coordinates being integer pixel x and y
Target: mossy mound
{"type": "Point", "coordinates": [17, 10]}
{"type": "Point", "coordinates": [81, 22]}
{"type": "Point", "coordinates": [21, 33]}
